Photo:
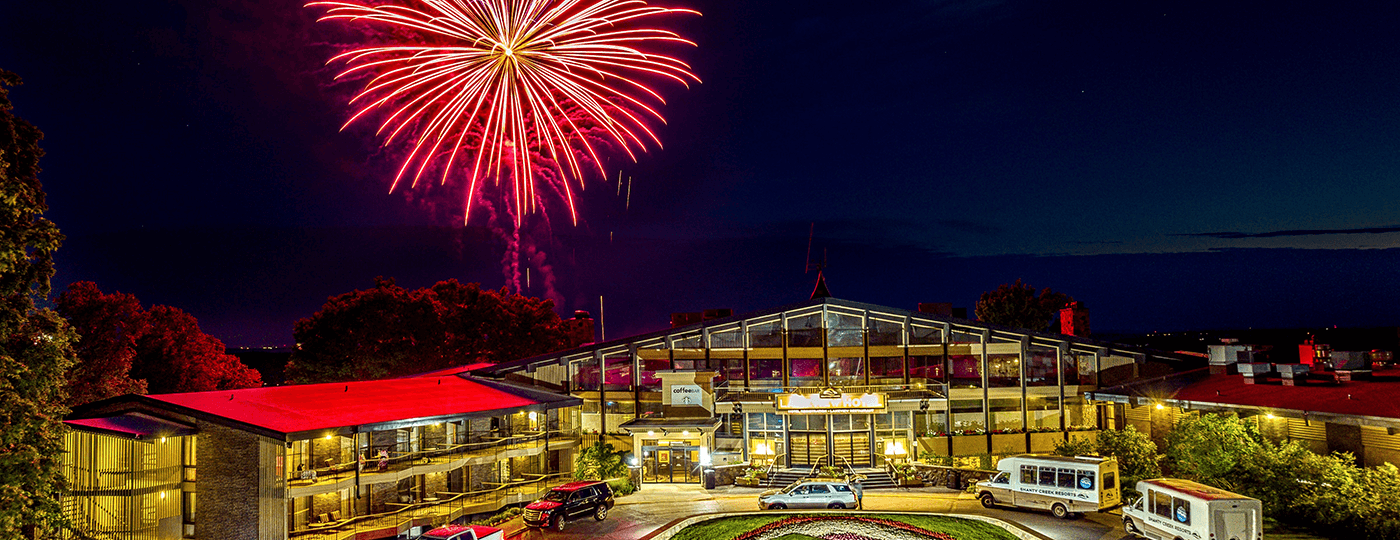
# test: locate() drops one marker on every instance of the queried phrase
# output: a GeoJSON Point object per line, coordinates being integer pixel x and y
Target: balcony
{"type": "Point", "coordinates": [399, 465]}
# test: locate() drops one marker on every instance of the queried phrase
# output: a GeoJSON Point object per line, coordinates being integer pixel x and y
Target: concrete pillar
{"type": "Point", "coordinates": [1340, 438]}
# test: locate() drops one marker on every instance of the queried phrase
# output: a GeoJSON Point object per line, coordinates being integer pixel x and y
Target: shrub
{"type": "Point", "coordinates": [599, 462]}
{"type": "Point", "coordinates": [622, 486]}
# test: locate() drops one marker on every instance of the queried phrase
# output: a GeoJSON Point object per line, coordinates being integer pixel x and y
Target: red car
{"type": "Point", "coordinates": [463, 532]}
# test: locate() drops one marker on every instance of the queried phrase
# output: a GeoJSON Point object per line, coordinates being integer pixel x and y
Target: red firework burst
{"type": "Point", "coordinates": [515, 84]}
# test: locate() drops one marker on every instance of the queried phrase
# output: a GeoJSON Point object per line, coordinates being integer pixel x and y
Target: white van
{"type": "Point", "coordinates": [1173, 509]}
{"type": "Point", "coordinates": [1064, 485]}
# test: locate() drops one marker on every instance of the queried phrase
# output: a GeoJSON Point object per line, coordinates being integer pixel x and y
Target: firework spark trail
{"type": "Point", "coordinates": [523, 87]}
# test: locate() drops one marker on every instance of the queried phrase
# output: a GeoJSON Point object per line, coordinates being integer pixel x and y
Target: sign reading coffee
{"type": "Point", "coordinates": [683, 395]}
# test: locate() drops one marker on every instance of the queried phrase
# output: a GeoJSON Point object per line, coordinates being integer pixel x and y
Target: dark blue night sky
{"type": "Point", "coordinates": [1174, 165]}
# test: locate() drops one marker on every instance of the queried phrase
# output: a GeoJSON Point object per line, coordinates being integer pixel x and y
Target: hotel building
{"type": "Point", "coordinates": [825, 381]}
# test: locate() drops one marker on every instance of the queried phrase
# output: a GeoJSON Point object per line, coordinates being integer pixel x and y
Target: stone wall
{"type": "Point", "coordinates": [434, 482]}
{"type": "Point", "coordinates": [241, 491]}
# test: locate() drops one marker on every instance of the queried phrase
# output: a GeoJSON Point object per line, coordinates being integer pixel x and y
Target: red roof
{"type": "Point", "coordinates": [134, 425]}
{"type": "Point", "coordinates": [1355, 398]}
{"type": "Point", "coordinates": [1200, 491]}
{"type": "Point", "coordinates": [290, 409]}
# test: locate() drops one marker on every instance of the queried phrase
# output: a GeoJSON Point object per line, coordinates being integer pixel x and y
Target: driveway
{"type": "Point", "coordinates": [651, 510]}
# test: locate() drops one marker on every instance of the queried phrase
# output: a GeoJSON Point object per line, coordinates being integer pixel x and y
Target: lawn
{"type": "Point", "coordinates": [728, 528]}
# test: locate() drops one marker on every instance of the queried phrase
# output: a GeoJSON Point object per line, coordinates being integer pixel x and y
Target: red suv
{"type": "Point", "coordinates": [570, 501]}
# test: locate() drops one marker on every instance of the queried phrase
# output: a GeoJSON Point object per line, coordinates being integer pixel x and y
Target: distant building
{"type": "Point", "coordinates": [1348, 406]}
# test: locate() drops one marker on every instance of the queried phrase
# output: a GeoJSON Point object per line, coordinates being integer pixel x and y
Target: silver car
{"type": "Point", "coordinates": [810, 494]}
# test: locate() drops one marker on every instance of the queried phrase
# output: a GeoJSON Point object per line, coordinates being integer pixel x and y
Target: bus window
{"type": "Point", "coordinates": [1086, 480]}
{"type": "Point", "coordinates": [1181, 510]}
{"type": "Point", "coordinates": [1161, 504]}
{"type": "Point", "coordinates": [1066, 479]}
{"type": "Point", "coordinates": [1028, 474]}
{"type": "Point", "coordinates": [1047, 476]}
{"type": "Point", "coordinates": [1108, 481]}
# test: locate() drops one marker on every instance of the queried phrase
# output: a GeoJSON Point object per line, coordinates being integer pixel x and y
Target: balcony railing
{"type": "Point", "coordinates": [397, 462]}
{"type": "Point", "coordinates": [85, 479]}
{"type": "Point", "coordinates": [443, 508]}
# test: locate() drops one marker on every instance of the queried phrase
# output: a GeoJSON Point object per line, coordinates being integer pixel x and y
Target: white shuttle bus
{"type": "Point", "coordinates": [1175, 509]}
{"type": "Point", "coordinates": [1066, 486]}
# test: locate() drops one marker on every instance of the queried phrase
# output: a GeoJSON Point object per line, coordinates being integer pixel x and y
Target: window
{"type": "Point", "coordinates": [1027, 474]}
{"type": "Point", "coordinates": [1086, 480]}
{"type": "Point", "coordinates": [1047, 476]}
{"type": "Point", "coordinates": [1181, 511]}
{"type": "Point", "coordinates": [1066, 479]}
{"type": "Point", "coordinates": [1161, 503]}
{"type": "Point", "coordinates": [1108, 481]}
{"type": "Point", "coordinates": [189, 458]}
{"type": "Point", "coordinates": [187, 500]}
{"type": "Point", "coordinates": [1002, 478]}
{"type": "Point", "coordinates": [819, 488]}
{"type": "Point", "coordinates": [842, 488]}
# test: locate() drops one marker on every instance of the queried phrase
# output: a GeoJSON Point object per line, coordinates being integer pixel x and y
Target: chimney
{"type": "Point", "coordinates": [1074, 320]}
{"type": "Point", "coordinates": [684, 319]}
{"type": "Point", "coordinates": [936, 308]}
{"type": "Point", "coordinates": [943, 308]}
{"type": "Point", "coordinates": [578, 330]}
{"type": "Point", "coordinates": [716, 313]}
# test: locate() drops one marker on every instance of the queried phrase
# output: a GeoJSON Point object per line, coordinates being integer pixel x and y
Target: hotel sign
{"type": "Point", "coordinates": [817, 404]}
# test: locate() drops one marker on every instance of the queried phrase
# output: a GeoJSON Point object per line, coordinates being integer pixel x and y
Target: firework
{"type": "Point", "coordinates": [523, 89]}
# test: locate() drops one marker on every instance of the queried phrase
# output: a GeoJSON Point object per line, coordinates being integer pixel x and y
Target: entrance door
{"type": "Point", "coordinates": [670, 464]}
{"type": "Point", "coordinates": [853, 447]}
{"type": "Point", "coordinates": [806, 449]}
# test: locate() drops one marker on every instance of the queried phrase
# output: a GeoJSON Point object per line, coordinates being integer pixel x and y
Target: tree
{"type": "Point", "coordinates": [35, 344]}
{"type": "Point", "coordinates": [1017, 305]}
{"type": "Point", "coordinates": [1136, 453]}
{"type": "Point", "coordinates": [126, 349]}
{"type": "Point", "coordinates": [1211, 449]}
{"type": "Point", "coordinates": [389, 331]}
{"type": "Point", "coordinates": [109, 325]}
{"type": "Point", "coordinates": [175, 356]}
{"type": "Point", "coordinates": [1329, 493]}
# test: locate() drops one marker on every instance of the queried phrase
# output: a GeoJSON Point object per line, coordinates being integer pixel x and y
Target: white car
{"type": "Point", "coordinates": [834, 494]}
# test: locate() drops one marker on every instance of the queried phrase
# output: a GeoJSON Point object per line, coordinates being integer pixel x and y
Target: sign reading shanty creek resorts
{"type": "Point", "coordinates": [816, 404]}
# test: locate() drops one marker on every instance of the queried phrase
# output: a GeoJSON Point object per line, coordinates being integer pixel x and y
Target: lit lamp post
{"type": "Point", "coordinates": [895, 451]}
{"type": "Point", "coordinates": [762, 453]}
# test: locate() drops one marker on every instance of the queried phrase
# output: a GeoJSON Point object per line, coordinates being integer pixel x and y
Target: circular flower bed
{"type": "Point", "coordinates": [842, 528]}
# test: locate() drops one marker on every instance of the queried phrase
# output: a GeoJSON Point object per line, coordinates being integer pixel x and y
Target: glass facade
{"type": "Point", "coordinates": [950, 386]}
